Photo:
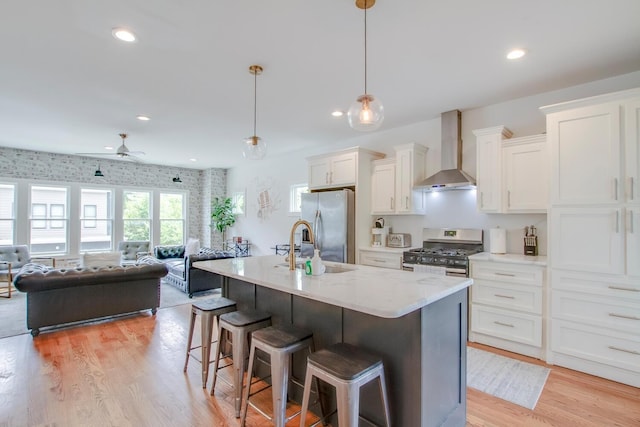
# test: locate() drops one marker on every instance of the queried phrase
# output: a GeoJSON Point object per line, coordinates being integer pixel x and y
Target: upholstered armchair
{"type": "Point", "coordinates": [12, 258]}
{"type": "Point", "coordinates": [131, 250]}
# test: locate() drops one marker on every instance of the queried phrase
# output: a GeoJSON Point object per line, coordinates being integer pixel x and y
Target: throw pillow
{"type": "Point", "coordinates": [102, 259]}
{"type": "Point", "coordinates": [192, 246]}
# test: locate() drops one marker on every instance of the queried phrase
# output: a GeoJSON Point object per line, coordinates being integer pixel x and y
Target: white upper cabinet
{"type": "Point", "coordinates": [392, 182]}
{"type": "Point", "coordinates": [525, 174]}
{"type": "Point", "coordinates": [489, 167]}
{"type": "Point", "coordinates": [411, 160]}
{"type": "Point", "coordinates": [383, 187]}
{"type": "Point", "coordinates": [586, 155]}
{"type": "Point", "coordinates": [336, 170]}
{"type": "Point", "coordinates": [512, 174]}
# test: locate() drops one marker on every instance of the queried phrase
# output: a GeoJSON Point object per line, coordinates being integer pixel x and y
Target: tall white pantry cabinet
{"type": "Point", "coordinates": [594, 235]}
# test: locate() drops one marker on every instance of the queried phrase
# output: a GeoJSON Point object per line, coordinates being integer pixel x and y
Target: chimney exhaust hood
{"type": "Point", "coordinates": [451, 177]}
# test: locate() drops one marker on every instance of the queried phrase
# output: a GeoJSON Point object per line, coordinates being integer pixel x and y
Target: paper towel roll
{"type": "Point", "coordinates": [498, 240]}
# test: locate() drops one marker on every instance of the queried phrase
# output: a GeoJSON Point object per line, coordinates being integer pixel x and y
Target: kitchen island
{"type": "Point", "coordinates": [417, 323]}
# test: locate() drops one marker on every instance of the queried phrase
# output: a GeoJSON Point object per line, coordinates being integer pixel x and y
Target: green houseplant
{"type": "Point", "coordinates": [222, 215]}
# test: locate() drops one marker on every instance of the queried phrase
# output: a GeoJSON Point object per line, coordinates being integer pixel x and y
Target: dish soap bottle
{"type": "Point", "coordinates": [308, 269]}
{"type": "Point", "coordinates": [316, 263]}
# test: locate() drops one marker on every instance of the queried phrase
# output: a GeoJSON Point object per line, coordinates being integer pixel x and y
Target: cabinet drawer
{"type": "Point", "coordinates": [381, 259]}
{"type": "Point", "coordinates": [518, 327]}
{"type": "Point", "coordinates": [513, 297]}
{"type": "Point", "coordinates": [596, 284]}
{"type": "Point", "coordinates": [596, 310]}
{"type": "Point", "coordinates": [512, 273]}
{"type": "Point", "coordinates": [596, 344]}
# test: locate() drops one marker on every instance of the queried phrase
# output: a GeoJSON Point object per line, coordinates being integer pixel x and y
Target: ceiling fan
{"type": "Point", "coordinates": [122, 152]}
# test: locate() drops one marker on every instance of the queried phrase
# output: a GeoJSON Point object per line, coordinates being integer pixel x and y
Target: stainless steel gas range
{"type": "Point", "coordinates": [446, 249]}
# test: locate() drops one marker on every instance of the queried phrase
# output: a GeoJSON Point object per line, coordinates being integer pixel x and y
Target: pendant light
{"type": "Point", "coordinates": [367, 112]}
{"type": "Point", "coordinates": [254, 147]}
{"type": "Point", "coordinates": [98, 172]}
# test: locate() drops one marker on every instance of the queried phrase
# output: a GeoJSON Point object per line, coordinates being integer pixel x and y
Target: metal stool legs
{"type": "Point", "coordinates": [279, 343]}
{"type": "Point", "coordinates": [239, 325]}
{"type": "Point", "coordinates": [209, 311]}
{"type": "Point", "coordinates": [347, 368]}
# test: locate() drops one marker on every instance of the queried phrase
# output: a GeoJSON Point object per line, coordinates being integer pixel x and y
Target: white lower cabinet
{"type": "Point", "coordinates": [381, 258]}
{"type": "Point", "coordinates": [507, 299]}
{"type": "Point", "coordinates": [595, 325]}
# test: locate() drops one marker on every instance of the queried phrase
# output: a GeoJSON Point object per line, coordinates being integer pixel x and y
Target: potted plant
{"type": "Point", "coordinates": [222, 215]}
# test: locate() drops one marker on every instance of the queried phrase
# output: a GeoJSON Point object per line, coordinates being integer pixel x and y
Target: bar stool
{"type": "Point", "coordinates": [210, 310]}
{"type": "Point", "coordinates": [239, 324]}
{"type": "Point", "coordinates": [279, 343]}
{"type": "Point", "coordinates": [347, 368]}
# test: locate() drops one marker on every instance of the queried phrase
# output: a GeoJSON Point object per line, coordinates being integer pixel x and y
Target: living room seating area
{"type": "Point", "coordinates": [182, 275]}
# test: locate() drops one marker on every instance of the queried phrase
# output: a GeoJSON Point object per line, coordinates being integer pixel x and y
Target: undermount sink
{"type": "Point", "coordinates": [330, 269]}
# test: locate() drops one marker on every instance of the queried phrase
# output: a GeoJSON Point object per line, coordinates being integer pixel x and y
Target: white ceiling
{"type": "Point", "coordinates": [68, 86]}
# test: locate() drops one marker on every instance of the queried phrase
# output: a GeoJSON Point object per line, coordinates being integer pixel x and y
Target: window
{"type": "Point", "coordinates": [136, 215]}
{"type": "Point", "coordinates": [7, 213]}
{"type": "Point", "coordinates": [48, 220]}
{"type": "Point", "coordinates": [89, 213]}
{"type": "Point", "coordinates": [56, 211]}
{"type": "Point", "coordinates": [96, 232]}
{"type": "Point", "coordinates": [171, 219]}
{"type": "Point", "coordinates": [295, 197]}
{"type": "Point", "coordinates": [38, 210]}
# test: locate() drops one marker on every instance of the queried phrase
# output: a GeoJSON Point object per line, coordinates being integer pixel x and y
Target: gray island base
{"type": "Point", "coordinates": [416, 322]}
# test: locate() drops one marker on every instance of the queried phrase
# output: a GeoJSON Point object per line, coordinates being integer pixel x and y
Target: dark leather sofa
{"type": "Point", "coordinates": [59, 296]}
{"type": "Point", "coordinates": [183, 275]}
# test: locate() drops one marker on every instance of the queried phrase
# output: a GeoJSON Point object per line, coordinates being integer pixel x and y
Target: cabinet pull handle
{"type": "Point", "coordinates": [497, 273]}
{"type": "Point", "coordinates": [377, 260]}
{"type": "Point", "coordinates": [624, 316]}
{"type": "Point", "coordinates": [504, 296]}
{"type": "Point", "coordinates": [392, 207]}
{"type": "Point", "coordinates": [508, 198]}
{"type": "Point", "coordinates": [330, 177]}
{"type": "Point", "coordinates": [617, 221]}
{"type": "Point", "coordinates": [631, 188]}
{"type": "Point", "coordinates": [615, 187]}
{"type": "Point", "coordinates": [612, 347]}
{"type": "Point", "coordinates": [406, 202]}
{"type": "Point", "coordinates": [503, 324]}
{"type": "Point", "coordinates": [630, 221]}
{"type": "Point", "coordinates": [622, 288]}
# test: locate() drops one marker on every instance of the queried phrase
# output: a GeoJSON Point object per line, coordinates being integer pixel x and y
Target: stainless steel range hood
{"type": "Point", "coordinates": [451, 177]}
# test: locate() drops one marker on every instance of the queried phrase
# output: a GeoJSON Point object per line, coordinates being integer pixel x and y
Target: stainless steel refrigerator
{"type": "Point", "coordinates": [332, 217]}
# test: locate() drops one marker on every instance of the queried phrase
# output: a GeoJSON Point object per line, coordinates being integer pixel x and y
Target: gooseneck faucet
{"type": "Point", "coordinates": [292, 251]}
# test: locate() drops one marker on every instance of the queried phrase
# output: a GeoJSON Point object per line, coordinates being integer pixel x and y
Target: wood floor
{"type": "Point", "coordinates": [128, 372]}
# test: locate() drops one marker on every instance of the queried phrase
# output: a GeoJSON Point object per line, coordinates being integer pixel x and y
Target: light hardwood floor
{"type": "Point", "coordinates": [128, 372]}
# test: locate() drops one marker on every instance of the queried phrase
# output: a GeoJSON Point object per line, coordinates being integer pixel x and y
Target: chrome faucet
{"type": "Point", "coordinates": [292, 251]}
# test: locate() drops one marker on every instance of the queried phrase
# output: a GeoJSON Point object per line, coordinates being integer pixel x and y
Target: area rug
{"type": "Point", "coordinates": [509, 379]}
{"type": "Point", "coordinates": [13, 311]}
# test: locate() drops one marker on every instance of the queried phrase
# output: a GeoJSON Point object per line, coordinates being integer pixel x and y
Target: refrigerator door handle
{"type": "Point", "coordinates": [316, 234]}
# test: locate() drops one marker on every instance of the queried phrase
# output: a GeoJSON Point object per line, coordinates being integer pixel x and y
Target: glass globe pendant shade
{"type": "Point", "coordinates": [254, 148]}
{"type": "Point", "coordinates": [366, 113]}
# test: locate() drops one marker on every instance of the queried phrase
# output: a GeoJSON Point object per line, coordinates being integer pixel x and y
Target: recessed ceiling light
{"type": "Point", "coordinates": [337, 113]}
{"type": "Point", "coordinates": [143, 118]}
{"type": "Point", "coordinates": [123, 34]}
{"type": "Point", "coordinates": [516, 54]}
{"type": "Point", "coordinates": [108, 147]}
{"type": "Point", "coordinates": [194, 160]}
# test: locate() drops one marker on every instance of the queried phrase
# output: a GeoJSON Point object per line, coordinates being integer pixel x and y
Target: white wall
{"type": "Point", "coordinates": [448, 209]}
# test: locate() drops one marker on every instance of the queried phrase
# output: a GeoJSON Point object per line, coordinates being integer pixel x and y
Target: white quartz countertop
{"type": "Point", "coordinates": [377, 291]}
{"type": "Point", "coordinates": [510, 258]}
{"type": "Point", "coordinates": [385, 249]}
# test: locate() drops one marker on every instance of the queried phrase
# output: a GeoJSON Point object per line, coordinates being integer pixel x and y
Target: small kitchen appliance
{"type": "Point", "coordinates": [379, 237]}
{"type": "Point", "coordinates": [447, 248]}
{"type": "Point", "coordinates": [399, 240]}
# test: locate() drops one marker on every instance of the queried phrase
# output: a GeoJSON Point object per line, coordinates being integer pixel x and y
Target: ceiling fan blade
{"type": "Point", "coordinates": [136, 153]}
{"type": "Point", "coordinates": [98, 154]}
{"type": "Point", "coordinates": [133, 158]}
